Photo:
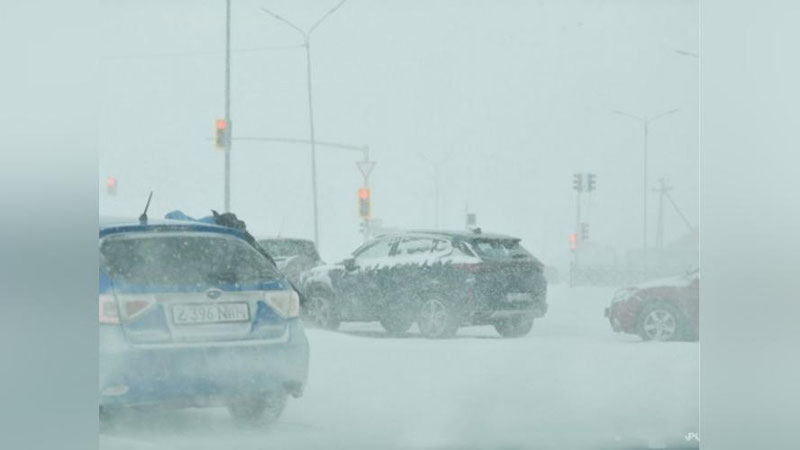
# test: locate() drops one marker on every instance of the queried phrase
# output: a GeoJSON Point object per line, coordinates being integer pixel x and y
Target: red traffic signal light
{"type": "Point", "coordinates": [573, 241]}
{"type": "Point", "coordinates": [223, 132]}
{"type": "Point", "coordinates": [363, 203]}
{"type": "Point", "coordinates": [111, 185]}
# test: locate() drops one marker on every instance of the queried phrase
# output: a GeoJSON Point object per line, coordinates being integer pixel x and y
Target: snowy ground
{"type": "Point", "coordinates": [571, 383]}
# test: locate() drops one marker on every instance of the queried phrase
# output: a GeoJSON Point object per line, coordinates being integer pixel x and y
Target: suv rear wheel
{"type": "Point", "coordinates": [436, 320]}
{"type": "Point", "coordinates": [397, 322]}
{"type": "Point", "coordinates": [516, 326]}
{"type": "Point", "coordinates": [320, 311]}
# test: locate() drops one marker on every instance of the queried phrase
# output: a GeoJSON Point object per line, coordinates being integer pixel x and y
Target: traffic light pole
{"type": "Point", "coordinates": [365, 166]}
{"type": "Point", "coordinates": [577, 225]}
{"type": "Point", "coordinates": [228, 137]}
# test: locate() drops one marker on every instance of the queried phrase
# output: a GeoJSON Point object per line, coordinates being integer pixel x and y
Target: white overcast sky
{"type": "Point", "coordinates": [514, 95]}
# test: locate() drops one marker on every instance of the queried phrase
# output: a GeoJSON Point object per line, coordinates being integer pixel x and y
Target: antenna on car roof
{"type": "Point", "coordinates": [143, 217]}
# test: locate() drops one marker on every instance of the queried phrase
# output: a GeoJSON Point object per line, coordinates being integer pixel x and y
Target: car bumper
{"type": "Point", "coordinates": [497, 306]}
{"type": "Point", "coordinates": [503, 312]}
{"type": "Point", "coordinates": [616, 325]}
{"type": "Point", "coordinates": [199, 374]}
{"type": "Point", "coordinates": [622, 317]}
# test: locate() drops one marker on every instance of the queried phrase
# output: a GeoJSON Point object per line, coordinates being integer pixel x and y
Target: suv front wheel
{"type": "Point", "coordinates": [436, 320]}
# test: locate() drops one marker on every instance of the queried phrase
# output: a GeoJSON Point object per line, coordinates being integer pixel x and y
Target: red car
{"type": "Point", "coordinates": [660, 310]}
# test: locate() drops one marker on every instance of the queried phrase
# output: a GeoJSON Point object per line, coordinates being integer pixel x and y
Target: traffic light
{"type": "Point", "coordinates": [111, 185]}
{"type": "Point", "coordinates": [577, 182]}
{"type": "Point", "coordinates": [363, 203]}
{"type": "Point", "coordinates": [573, 241]}
{"type": "Point", "coordinates": [223, 132]}
{"type": "Point", "coordinates": [591, 180]}
{"type": "Point", "coordinates": [584, 231]}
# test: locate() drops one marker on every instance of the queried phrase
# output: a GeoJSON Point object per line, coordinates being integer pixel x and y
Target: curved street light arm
{"type": "Point", "coordinates": [277, 17]}
{"type": "Point", "coordinates": [621, 113]}
{"type": "Point", "coordinates": [325, 16]}
{"type": "Point", "coordinates": [685, 53]}
{"type": "Point", "coordinates": [662, 115]}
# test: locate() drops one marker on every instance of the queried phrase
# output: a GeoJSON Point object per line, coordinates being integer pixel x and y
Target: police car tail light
{"type": "Point", "coordinates": [136, 306]}
{"type": "Point", "coordinates": [108, 312]}
{"type": "Point", "coordinates": [285, 303]}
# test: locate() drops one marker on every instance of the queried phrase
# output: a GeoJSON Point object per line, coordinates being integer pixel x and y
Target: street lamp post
{"type": "Point", "coordinates": [436, 166]}
{"type": "Point", "coordinates": [307, 44]}
{"type": "Point", "coordinates": [645, 121]}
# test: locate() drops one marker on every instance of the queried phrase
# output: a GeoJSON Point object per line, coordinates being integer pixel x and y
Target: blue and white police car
{"type": "Point", "coordinates": [193, 314]}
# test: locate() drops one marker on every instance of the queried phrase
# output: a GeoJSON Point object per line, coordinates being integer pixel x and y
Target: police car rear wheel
{"type": "Point", "coordinates": [259, 409]}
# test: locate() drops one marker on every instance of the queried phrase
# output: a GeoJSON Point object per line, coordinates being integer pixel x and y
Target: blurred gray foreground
{"type": "Point", "coordinates": [571, 383]}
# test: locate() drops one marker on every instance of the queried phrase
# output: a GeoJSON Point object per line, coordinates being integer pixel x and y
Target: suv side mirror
{"type": "Point", "coordinates": [350, 264]}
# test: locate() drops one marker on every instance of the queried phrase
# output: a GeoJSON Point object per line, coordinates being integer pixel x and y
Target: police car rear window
{"type": "Point", "coordinates": [201, 260]}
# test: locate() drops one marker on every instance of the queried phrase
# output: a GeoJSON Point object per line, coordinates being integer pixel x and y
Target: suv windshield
{"type": "Point", "coordinates": [499, 249]}
{"type": "Point", "coordinates": [199, 260]}
{"type": "Point", "coordinates": [285, 248]}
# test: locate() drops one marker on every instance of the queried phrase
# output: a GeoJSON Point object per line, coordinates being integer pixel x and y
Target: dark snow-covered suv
{"type": "Point", "coordinates": [441, 280]}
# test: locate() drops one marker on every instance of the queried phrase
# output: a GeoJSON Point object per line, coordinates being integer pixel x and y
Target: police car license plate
{"type": "Point", "coordinates": [210, 313]}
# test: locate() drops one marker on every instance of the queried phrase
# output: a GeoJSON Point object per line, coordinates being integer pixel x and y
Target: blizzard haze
{"type": "Point", "coordinates": [492, 105]}
{"type": "Point", "coordinates": [514, 96]}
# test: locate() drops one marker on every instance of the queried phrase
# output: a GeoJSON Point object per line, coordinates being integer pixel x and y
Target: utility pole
{"type": "Point", "coordinates": [307, 45]}
{"type": "Point", "coordinates": [680, 214]}
{"type": "Point", "coordinates": [645, 121]}
{"type": "Point", "coordinates": [228, 105]}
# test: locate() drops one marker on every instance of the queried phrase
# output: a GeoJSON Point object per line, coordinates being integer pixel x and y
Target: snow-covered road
{"type": "Point", "coordinates": [571, 383]}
